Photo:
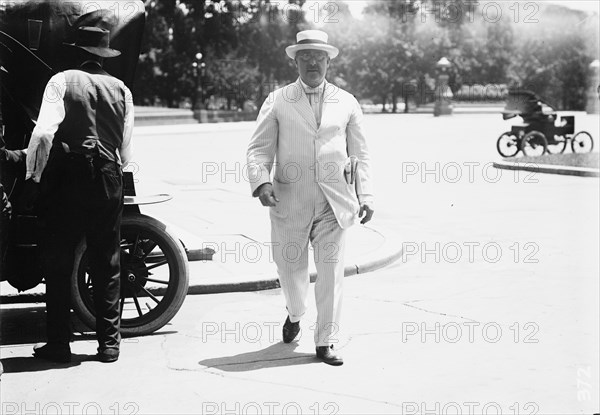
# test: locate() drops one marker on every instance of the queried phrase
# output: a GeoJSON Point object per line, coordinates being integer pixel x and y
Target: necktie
{"type": "Point", "coordinates": [314, 97]}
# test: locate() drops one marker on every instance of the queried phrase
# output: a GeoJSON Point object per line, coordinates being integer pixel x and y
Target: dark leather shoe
{"type": "Point", "coordinates": [290, 330]}
{"type": "Point", "coordinates": [108, 355]}
{"type": "Point", "coordinates": [326, 354]}
{"type": "Point", "coordinates": [55, 352]}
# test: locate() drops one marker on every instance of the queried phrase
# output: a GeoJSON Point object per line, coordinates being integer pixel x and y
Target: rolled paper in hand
{"type": "Point", "coordinates": [348, 172]}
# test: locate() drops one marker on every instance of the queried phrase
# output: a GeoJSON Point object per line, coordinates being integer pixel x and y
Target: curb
{"type": "Point", "coordinates": [391, 254]}
{"type": "Point", "coordinates": [154, 130]}
{"type": "Point", "coordinates": [548, 168]}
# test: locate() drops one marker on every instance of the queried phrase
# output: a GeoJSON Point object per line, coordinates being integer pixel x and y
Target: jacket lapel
{"type": "Point", "coordinates": [303, 106]}
{"type": "Point", "coordinates": [327, 97]}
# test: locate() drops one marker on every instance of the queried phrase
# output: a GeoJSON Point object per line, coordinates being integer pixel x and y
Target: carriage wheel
{"type": "Point", "coordinates": [558, 145]}
{"type": "Point", "coordinates": [154, 277]}
{"type": "Point", "coordinates": [582, 142]}
{"type": "Point", "coordinates": [507, 145]}
{"type": "Point", "coordinates": [534, 144]}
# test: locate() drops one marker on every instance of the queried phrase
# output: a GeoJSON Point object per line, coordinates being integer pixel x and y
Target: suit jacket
{"type": "Point", "coordinates": [309, 158]}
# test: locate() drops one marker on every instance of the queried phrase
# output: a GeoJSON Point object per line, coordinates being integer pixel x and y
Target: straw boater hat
{"type": "Point", "coordinates": [94, 40]}
{"type": "Point", "coordinates": [312, 40]}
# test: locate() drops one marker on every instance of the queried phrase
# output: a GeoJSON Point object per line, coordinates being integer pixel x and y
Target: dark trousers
{"type": "Point", "coordinates": [81, 198]}
{"type": "Point", "coordinates": [5, 210]}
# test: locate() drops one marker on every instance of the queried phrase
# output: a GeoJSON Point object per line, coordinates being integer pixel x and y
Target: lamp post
{"type": "Point", "coordinates": [198, 68]}
{"type": "Point", "coordinates": [443, 94]}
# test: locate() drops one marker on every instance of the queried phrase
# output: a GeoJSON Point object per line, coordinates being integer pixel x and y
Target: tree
{"type": "Point", "coordinates": [389, 55]}
{"type": "Point", "coordinates": [237, 40]}
{"type": "Point", "coordinates": [176, 31]}
{"type": "Point", "coordinates": [552, 63]}
{"type": "Point", "coordinates": [384, 56]}
{"type": "Point", "coordinates": [266, 30]}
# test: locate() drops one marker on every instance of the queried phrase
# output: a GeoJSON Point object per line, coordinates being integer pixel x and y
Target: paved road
{"type": "Point", "coordinates": [493, 309]}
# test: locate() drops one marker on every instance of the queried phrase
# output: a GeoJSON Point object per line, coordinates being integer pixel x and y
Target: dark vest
{"type": "Point", "coordinates": [95, 112]}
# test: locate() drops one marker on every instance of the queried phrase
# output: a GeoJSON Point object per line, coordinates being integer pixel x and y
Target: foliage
{"type": "Point", "coordinates": [388, 55]}
{"type": "Point", "coordinates": [554, 63]}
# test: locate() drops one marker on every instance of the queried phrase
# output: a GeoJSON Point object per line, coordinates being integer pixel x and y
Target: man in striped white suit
{"type": "Point", "coordinates": [309, 132]}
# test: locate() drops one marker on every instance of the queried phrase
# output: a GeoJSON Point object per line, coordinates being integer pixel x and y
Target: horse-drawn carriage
{"type": "Point", "coordinates": [154, 262]}
{"type": "Point", "coordinates": [541, 131]}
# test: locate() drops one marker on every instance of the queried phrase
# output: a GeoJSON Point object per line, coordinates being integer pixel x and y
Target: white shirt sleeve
{"type": "Point", "coordinates": [52, 113]}
{"type": "Point", "coordinates": [126, 150]}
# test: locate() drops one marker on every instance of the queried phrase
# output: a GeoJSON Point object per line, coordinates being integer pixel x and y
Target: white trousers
{"type": "Point", "coordinates": [290, 240]}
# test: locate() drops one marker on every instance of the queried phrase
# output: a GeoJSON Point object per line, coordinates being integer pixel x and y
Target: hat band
{"type": "Point", "coordinates": [305, 41]}
{"type": "Point", "coordinates": [100, 44]}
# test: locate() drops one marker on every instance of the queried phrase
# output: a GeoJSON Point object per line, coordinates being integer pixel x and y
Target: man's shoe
{"type": "Point", "coordinates": [290, 330]}
{"type": "Point", "coordinates": [108, 355]}
{"type": "Point", "coordinates": [55, 352]}
{"type": "Point", "coordinates": [326, 354]}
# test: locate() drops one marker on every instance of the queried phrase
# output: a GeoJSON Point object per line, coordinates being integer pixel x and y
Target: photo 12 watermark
{"type": "Point", "coordinates": [69, 408]}
{"type": "Point", "coordinates": [469, 332]}
{"type": "Point", "coordinates": [269, 408]}
{"type": "Point", "coordinates": [253, 332]}
{"type": "Point", "coordinates": [329, 172]}
{"type": "Point", "coordinates": [471, 10]}
{"type": "Point", "coordinates": [122, 11]}
{"type": "Point", "coordinates": [464, 172]}
{"type": "Point", "coordinates": [253, 252]}
{"type": "Point", "coordinates": [453, 252]}
{"type": "Point", "coordinates": [469, 408]}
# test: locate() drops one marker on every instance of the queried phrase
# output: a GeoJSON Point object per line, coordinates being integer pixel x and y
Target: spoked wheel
{"type": "Point", "coordinates": [582, 142]}
{"type": "Point", "coordinates": [534, 144]}
{"type": "Point", "coordinates": [507, 145]}
{"type": "Point", "coordinates": [154, 277]}
{"type": "Point", "coordinates": [558, 145]}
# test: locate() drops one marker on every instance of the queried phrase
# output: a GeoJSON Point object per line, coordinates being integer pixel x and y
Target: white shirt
{"type": "Point", "coordinates": [315, 98]}
{"type": "Point", "coordinates": [52, 113]}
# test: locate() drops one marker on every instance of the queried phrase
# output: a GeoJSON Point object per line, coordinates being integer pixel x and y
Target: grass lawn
{"type": "Point", "coordinates": [589, 160]}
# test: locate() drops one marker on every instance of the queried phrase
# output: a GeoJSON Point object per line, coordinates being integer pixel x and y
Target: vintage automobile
{"type": "Point", "coordinates": [540, 131]}
{"type": "Point", "coordinates": [154, 261]}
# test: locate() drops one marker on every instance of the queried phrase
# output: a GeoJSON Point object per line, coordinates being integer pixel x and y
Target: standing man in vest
{"type": "Point", "coordinates": [310, 131]}
{"type": "Point", "coordinates": [77, 150]}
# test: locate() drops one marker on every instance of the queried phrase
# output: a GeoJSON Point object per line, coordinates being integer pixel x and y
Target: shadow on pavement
{"type": "Point", "coordinates": [276, 355]}
{"type": "Point", "coordinates": [33, 364]}
{"type": "Point", "coordinates": [26, 325]}
{"type": "Point", "coordinates": [23, 325]}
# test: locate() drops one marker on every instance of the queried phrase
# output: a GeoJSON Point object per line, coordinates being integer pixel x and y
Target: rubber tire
{"type": "Point", "coordinates": [581, 133]}
{"type": "Point", "coordinates": [509, 134]}
{"type": "Point", "coordinates": [172, 300]}
{"type": "Point", "coordinates": [559, 147]}
{"type": "Point", "coordinates": [541, 137]}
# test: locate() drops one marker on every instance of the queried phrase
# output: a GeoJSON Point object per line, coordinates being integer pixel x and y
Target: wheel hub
{"type": "Point", "coordinates": [133, 272]}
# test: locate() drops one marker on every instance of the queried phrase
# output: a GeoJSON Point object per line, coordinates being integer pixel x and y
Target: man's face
{"type": "Point", "coordinates": [312, 66]}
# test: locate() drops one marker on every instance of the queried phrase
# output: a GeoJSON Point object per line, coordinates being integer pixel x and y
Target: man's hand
{"type": "Point", "coordinates": [5, 206]}
{"type": "Point", "coordinates": [12, 156]}
{"type": "Point", "coordinates": [266, 195]}
{"type": "Point", "coordinates": [365, 213]}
